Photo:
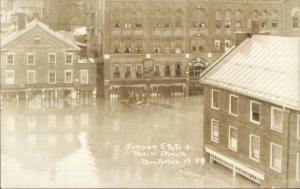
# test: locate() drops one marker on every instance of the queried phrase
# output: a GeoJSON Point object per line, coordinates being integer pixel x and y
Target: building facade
{"type": "Point", "coordinates": [163, 46]}
{"type": "Point", "coordinates": [38, 63]}
{"type": "Point", "coordinates": [252, 115]}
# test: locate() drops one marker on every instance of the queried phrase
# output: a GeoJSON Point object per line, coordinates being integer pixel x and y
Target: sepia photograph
{"type": "Point", "coordinates": [150, 93]}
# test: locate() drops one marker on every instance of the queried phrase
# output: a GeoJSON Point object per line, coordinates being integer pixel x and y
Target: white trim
{"type": "Point", "coordinates": [37, 39]}
{"type": "Point", "coordinates": [272, 120]}
{"type": "Point", "coordinates": [51, 71]}
{"type": "Point", "coordinates": [13, 80]}
{"type": "Point", "coordinates": [71, 71]}
{"type": "Point", "coordinates": [212, 99]}
{"type": "Point", "coordinates": [34, 78]}
{"type": "Point", "coordinates": [229, 136]}
{"type": "Point", "coordinates": [251, 120]}
{"type": "Point", "coordinates": [81, 81]}
{"type": "Point", "coordinates": [43, 26]}
{"type": "Point", "coordinates": [30, 54]}
{"type": "Point", "coordinates": [298, 126]}
{"type": "Point", "coordinates": [72, 58]}
{"type": "Point", "coordinates": [13, 54]}
{"type": "Point", "coordinates": [250, 147]}
{"type": "Point", "coordinates": [211, 130]}
{"type": "Point", "coordinates": [271, 159]}
{"type": "Point", "coordinates": [49, 54]}
{"type": "Point", "coordinates": [297, 167]}
{"type": "Point", "coordinates": [237, 105]}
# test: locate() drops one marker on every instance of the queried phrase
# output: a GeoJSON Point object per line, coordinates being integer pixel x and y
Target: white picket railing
{"type": "Point", "coordinates": [235, 166]}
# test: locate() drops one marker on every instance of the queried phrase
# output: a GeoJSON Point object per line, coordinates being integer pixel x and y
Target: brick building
{"type": "Point", "coordinates": [165, 45]}
{"type": "Point", "coordinates": [252, 111]}
{"type": "Point", "coordinates": [37, 62]}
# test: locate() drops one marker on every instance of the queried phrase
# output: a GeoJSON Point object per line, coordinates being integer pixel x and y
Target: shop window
{"type": "Point", "coordinates": [178, 70]}
{"type": "Point", "coordinates": [138, 71]}
{"type": "Point", "coordinates": [167, 71]}
{"type": "Point", "coordinates": [127, 71]}
{"type": "Point", "coordinates": [156, 71]}
{"type": "Point", "coordinates": [296, 19]}
{"type": "Point", "coordinates": [116, 73]}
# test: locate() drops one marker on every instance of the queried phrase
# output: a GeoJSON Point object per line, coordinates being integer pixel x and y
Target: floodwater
{"type": "Point", "coordinates": [108, 144]}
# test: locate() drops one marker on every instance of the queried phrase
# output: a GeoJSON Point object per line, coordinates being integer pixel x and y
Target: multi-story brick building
{"type": "Point", "coordinates": [252, 111]}
{"type": "Point", "coordinates": [165, 45]}
{"type": "Point", "coordinates": [37, 62]}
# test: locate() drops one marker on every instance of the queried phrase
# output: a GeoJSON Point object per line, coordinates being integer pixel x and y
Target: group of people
{"type": "Point", "coordinates": [139, 97]}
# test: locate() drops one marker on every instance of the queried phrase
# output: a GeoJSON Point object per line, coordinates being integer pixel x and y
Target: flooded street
{"type": "Point", "coordinates": [109, 144]}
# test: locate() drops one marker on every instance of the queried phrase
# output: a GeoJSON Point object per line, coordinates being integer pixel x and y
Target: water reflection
{"type": "Point", "coordinates": [87, 146]}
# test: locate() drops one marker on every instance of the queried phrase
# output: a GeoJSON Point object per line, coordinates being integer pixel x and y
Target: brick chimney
{"type": "Point", "coordinates": [239, 37]}
{"type": "Point", "coordinates": [21, 21]}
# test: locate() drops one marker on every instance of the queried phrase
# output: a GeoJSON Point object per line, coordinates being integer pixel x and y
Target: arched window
{"type": "Point", "coordinates": [127, 19]}
{"type": "Point", "coordinates": [116, 18]}
{"type": "Point", "coordinates": [264, 21]}
{"type": "Point", "coordinates": [296, 19]}
{"type": "Point", "coordinates": [199, 18]}
{"type": "Point", "coordinates": [178, 19]}
{"type": "Point", "coordinates": [238, 15]}
{"type": "Point", "coordinates": [138, 18]}
{"type": "Point", "coordinates": [156, 19]}
{"type": "Point", "coordinates": [227, 23]}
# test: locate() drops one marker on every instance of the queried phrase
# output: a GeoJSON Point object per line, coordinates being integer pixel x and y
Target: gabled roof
{"type": "Point", "coordinates": [30, 26]}
{"type": "Point", "coordinates": [263, 67]}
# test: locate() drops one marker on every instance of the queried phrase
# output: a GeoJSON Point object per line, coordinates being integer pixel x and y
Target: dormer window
{"type": "Point", "coordinates": [37, 41]}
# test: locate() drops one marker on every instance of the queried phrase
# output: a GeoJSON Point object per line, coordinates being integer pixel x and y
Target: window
{"type": "Point", "coordinates": [116, 73]}
{"type": "Point", "coordinates": [52, 77]}
{"type": "Point", "coordinates": [276, 119]}
{"type": "Point", "coordinates": [275, 157]}
{"type": "Point", "coordinates": [68, 58]}
{"type": "Point", "coordinates": [254, 147]}
{"type": "Point", "coordinates": [138, 71]}
{"type": "Point", "coordinates": [30, 76]}
{"type": "Point", "coordinates": [214, 131]}
{"type": "Point", "coordinates": [51, 58]}
{"type": "Point", "coordinates": [37, 41]}
{"type": "Point", "coordinates": [215, 99]}
{"type": "Point", "coordinates": [139, 50]}
{"type": "Point", "coordinates": [127, 71]}
{"type": "Point", "coordinates": [296, 17]}
{"type": "Point", "coordinates": [156, 71]}
{"type": "Point", "coordinates": [298, 167]}
{"type": "Point", "coordinates": [10, 59]}
{"type": "Point", "coordinates": [30, 59]}
{"type": "Point", "coordinates": [167, 71]}
{"type": "Point", "coordinates": [68, 76]}
{"type": "Point", "coordinates": [156, 49]}
{"type": "Point", "coordinates": [255, 112]}
{"type": "Point", "coordinates": [298, 126]}
{"type": "Point", "coordinates": [217, 45]}
{"type": "Point", "coordinates": [233, 105]}
{"type": "Point", "coordinates": [84, 76]}
{"type": "Point", "coordinates": [178, 70]}
{"type": "Point", "coordinates": [233, 138]}
{"type": "Point", "coordinates": [10, 77]}
{"type": "Point", "coordinates": [178, 18]}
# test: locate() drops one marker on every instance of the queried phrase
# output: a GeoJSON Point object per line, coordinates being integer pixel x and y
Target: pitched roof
{"type": "Point", "coordinates": [31, 25]}
{"type": "Point", "coordinates": [263, 67]}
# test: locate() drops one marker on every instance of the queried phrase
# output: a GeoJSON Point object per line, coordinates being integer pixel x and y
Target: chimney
{"type": "Point", "coordinates": [21, 21]}
{"type": "Point", "coordinates": [240, 37]}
